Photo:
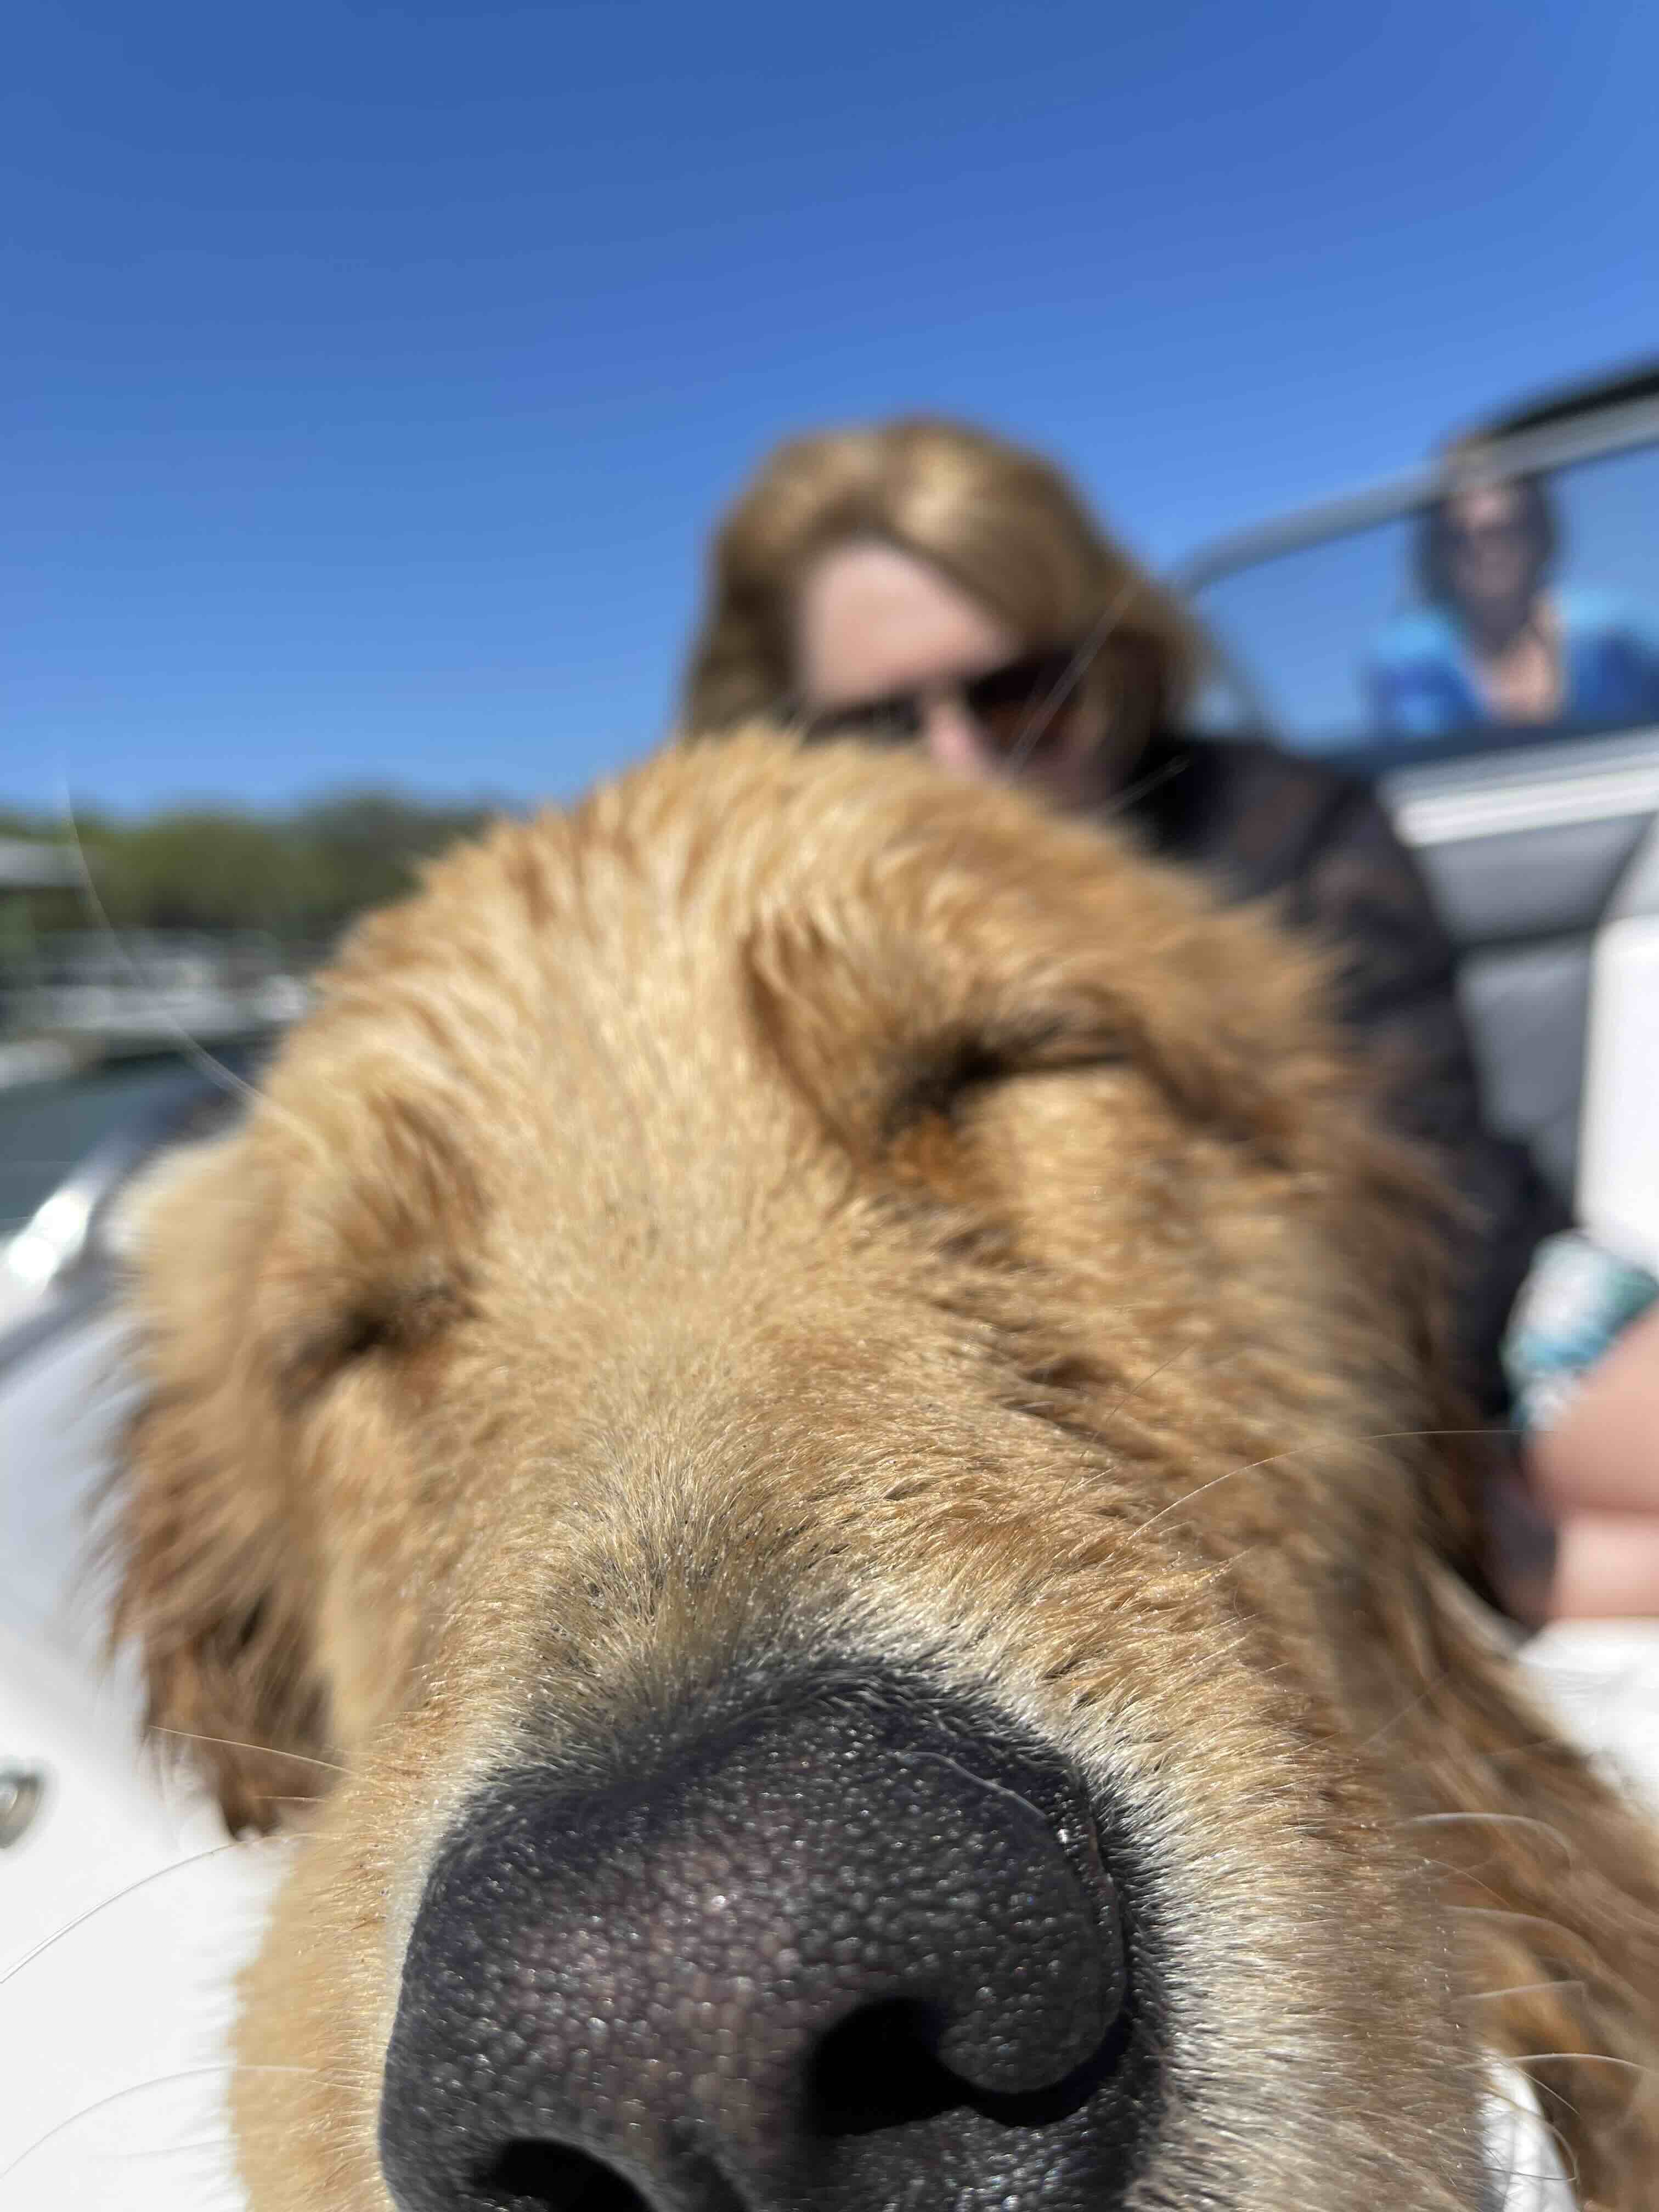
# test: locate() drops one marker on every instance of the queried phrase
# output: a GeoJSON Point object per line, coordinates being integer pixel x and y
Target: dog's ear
{"type": "Point", "coordinates": [210, 1591]}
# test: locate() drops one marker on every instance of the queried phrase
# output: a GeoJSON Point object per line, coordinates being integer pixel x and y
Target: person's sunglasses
{"type": "Point", "coordinates": [1026, 702]}
{"type": "Point", "coordinates": [1468, 535]}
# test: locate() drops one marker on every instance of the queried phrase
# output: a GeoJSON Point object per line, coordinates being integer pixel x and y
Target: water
{"type": "Point", "coordinates": [45, 1127]}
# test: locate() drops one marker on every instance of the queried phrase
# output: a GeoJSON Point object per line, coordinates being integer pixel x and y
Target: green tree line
{"type": "Point", "coordinates": [300, 876]}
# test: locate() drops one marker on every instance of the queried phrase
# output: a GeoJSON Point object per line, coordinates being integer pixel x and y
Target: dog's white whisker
{"type": "Point", "coordinates": [1412, 1705]}
{"type": "Point", "coordinates": [1144, 1382]}
{"type": "Point", "coordinates": [1323, 1441]}
{"type": "Point", "coordinates": [1494, 1819]}
{"type": "Point", "coordinates": [1121, 801]}
{"type": "Point", "coordinates": [157, 1874]}
{"type": "Point", "coordinates": [214, 1069]}
{"type": "Point", "coordinates": [1076, 670]}
{"type": "Point", "coordinates": [234, 1743]}
{"type": "Point", "coordinates": [139, 2089]}
{"type": "Point", "coordinates": [1506, 1819]}
{"type": "Point", "coordinates": [1510, 1913]}
{"type": "Point", "coordinates": [215, 2142]}
{"type": "Point", "coordinates": [1583, 2058]}
{"type": "Point", "coordinates": [1520, 1989]}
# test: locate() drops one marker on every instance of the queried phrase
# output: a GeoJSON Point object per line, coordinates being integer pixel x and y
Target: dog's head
{"type": "Point", "coordinates": [813, 1385]}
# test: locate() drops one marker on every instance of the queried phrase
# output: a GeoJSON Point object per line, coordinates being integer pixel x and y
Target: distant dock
{"type": "Point", "coordinates": [82, 999]}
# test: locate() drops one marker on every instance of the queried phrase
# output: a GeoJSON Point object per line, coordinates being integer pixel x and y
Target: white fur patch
{"type": "Point", "coordinates": [1527, 2175]}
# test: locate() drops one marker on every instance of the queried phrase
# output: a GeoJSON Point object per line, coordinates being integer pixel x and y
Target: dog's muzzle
{"type": "Point", "coordinates": [853, 1952]}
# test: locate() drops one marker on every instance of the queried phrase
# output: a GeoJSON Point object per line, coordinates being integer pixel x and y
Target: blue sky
{"type": "Point", "coordinates": [373, 368]}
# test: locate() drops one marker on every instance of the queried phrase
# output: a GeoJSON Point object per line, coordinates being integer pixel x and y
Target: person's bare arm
{"type": "Point", "coordinates": [1596, 1471]}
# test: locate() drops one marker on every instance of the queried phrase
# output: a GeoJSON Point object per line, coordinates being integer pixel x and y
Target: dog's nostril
{"type": "Point", "coordinates": [545, 2176]}
{"type": "Point", "coordinates": [879, 2069]}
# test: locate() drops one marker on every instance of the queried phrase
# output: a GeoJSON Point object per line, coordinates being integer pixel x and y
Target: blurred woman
{"type": "Point", "coordinates": [922, 582]}
{"type": "Point", "coordinates": [1495, 641]}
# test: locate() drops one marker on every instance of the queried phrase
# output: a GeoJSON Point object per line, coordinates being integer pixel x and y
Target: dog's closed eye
{"type": "Point", "coordinates": [391, 1320]}
{"type": "Point", "coordinates": [929, 1042]}
{"type": "Point", "coordinates": [946, 1075]}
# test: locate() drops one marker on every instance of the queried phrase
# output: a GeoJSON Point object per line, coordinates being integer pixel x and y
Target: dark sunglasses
{"type": "Point", "coordinates": [1515, 530]}
{"type": "Point", "coordinates": [1025, 702]}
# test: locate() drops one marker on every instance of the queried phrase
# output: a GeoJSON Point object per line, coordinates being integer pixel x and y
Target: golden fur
{"type": "Point", "coordinates": [791, 1202]}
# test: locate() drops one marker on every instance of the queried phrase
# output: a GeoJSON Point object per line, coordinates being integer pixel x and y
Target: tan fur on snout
{"type": "Point", "coordinates": [794, 1209]}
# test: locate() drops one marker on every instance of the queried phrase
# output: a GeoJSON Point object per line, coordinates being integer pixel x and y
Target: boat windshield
{"type": "Point", "coordinates": [1503, 607]}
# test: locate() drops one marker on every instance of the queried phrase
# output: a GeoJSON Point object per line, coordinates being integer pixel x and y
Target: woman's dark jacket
{"type": "Point", "coordinates": [1264, 824]}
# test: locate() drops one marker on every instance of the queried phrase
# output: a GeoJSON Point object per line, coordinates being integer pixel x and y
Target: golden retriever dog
{"type": "Point", "coordinates": [807, 1412]}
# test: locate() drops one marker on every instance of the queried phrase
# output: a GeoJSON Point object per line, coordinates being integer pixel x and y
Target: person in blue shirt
{"type": "Point", "coordinates": [1496, 642]}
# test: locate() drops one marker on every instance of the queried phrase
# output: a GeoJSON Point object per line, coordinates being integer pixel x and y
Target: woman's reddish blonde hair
{"type": "Point", "coordinates": [1002, 523]}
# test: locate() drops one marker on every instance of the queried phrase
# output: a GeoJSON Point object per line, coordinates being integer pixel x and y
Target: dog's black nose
{"type": "Point", "coordinates": [844, 1955]}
